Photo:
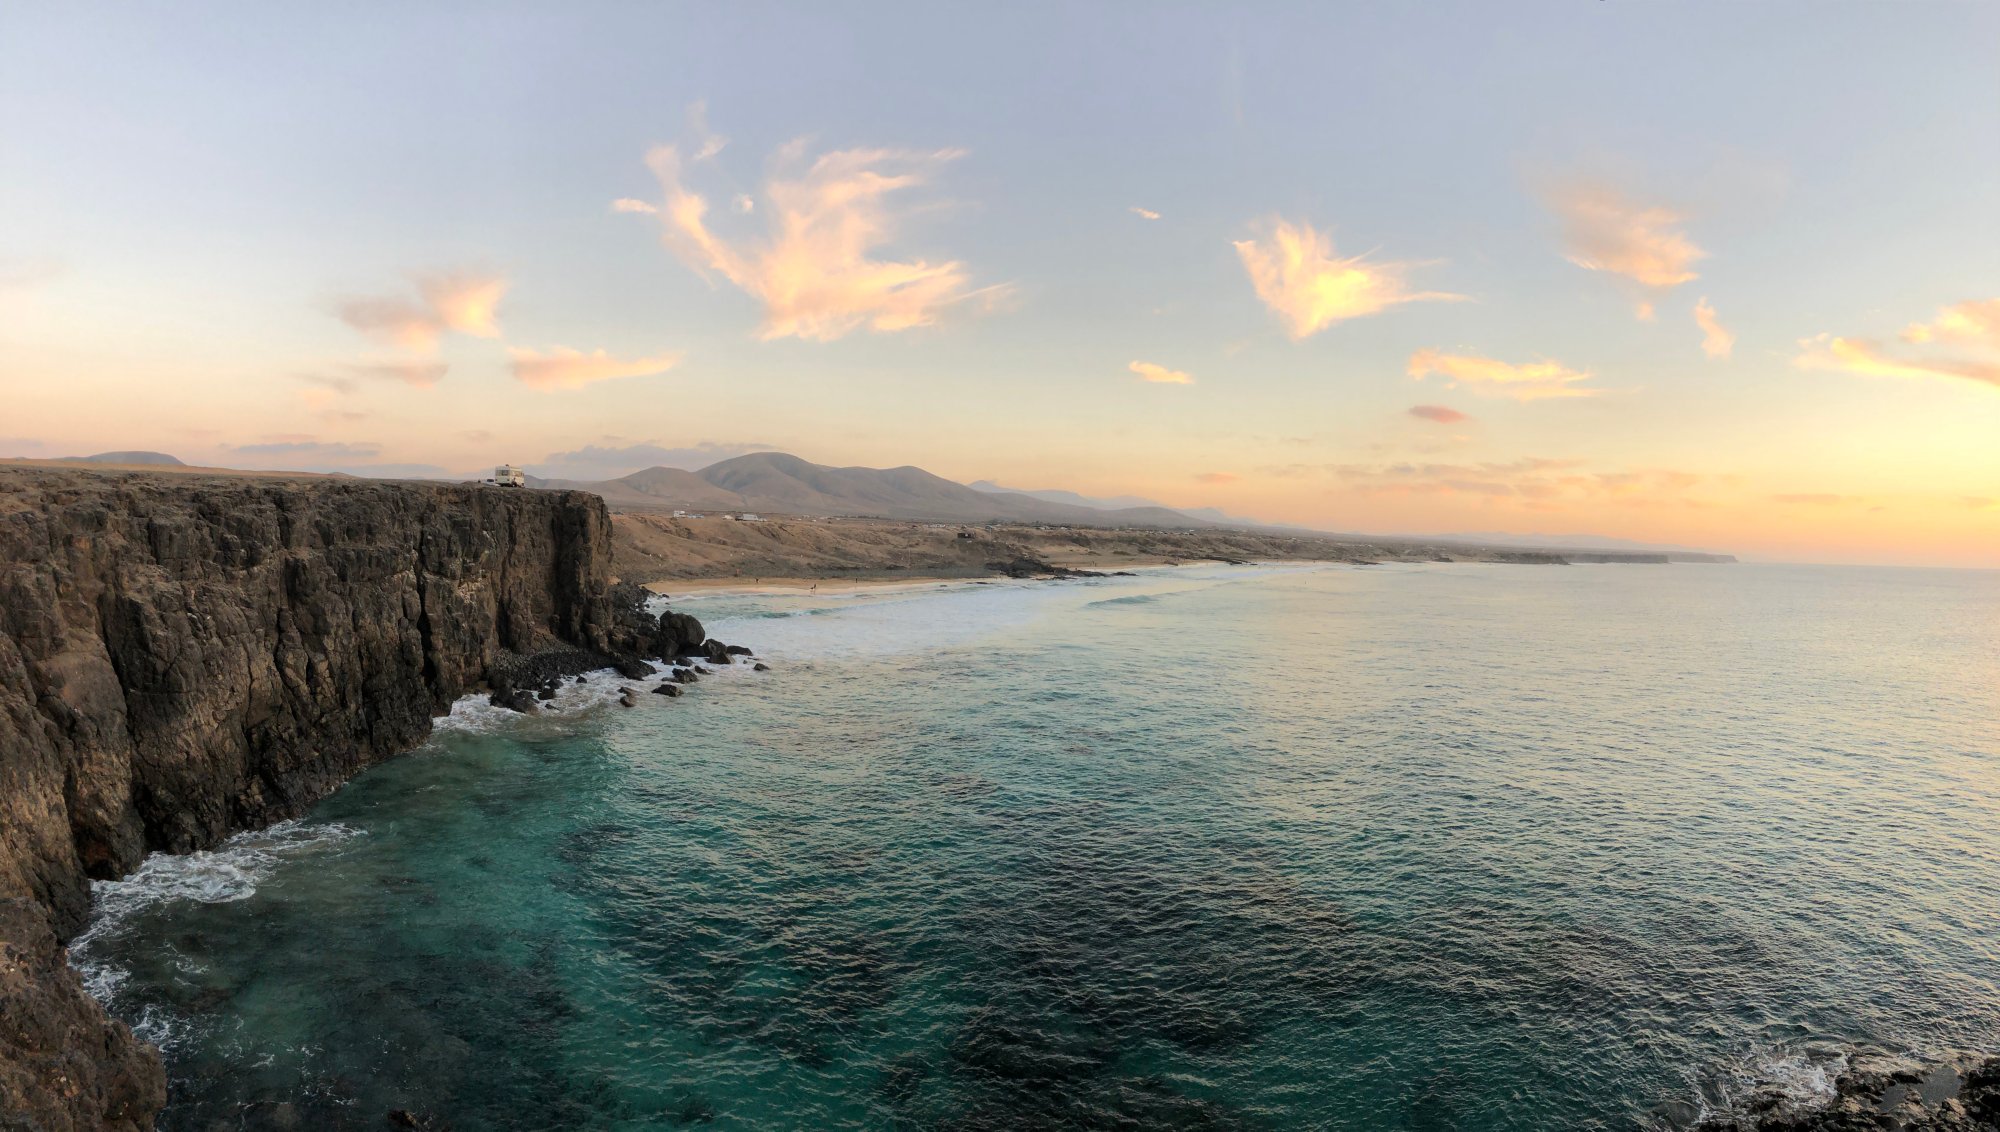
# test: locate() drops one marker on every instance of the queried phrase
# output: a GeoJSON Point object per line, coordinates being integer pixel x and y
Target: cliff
{"type": "Point", "coordinates": [186, 656]}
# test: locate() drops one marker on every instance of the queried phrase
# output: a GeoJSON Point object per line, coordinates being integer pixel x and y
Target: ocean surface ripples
{"type": "Point", "coordinates": [1448, 847]}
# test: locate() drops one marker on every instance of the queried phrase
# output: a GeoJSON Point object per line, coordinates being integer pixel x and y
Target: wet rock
{"type": "Point", "coordinates": [685, 675]}
{"type": "Point", "coordinates": [546, 694]}
{"type": "Point", "coordinates": [628, 700]}
{"type": "Point", "coordinates": [737, 650]}
{"type": "Point", "coordinates": [704, 671]}
{"type": "Point", "coordinates": [63, 1063]}
{"type": "Point", "coordinates": [760, 666]}
{"type": "Point", "coordinates": [715, 651]}
{"type": "Point", "coordinates": [677, 635]}
{"type": "Point", "coordinates": [513, 699]}
{"type": "Point", "coordinates": [632, 668]}
{"type": "Point", "coordinates": [582, 680]}
{"type": "Point", "coordinates": [183, 657]}
{"type": "Point", "coordinates": [1879, 1091]}
{"type": "Point", "coordinates": [668, 688]}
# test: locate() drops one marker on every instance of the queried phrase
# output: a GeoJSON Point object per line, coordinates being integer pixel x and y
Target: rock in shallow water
{"type": "Point", "coordinates": [1881, 1092]}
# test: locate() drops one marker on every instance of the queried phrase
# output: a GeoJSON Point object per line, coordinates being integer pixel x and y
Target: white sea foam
{"type": "Point", "coordinates": [477, 713]}
{"type": "Point", "coordinates": [879, 624]}
{"type": "Point", "coordinates": [1798, 1079]}
{"type": "Point", "coordinates": [226, 873]}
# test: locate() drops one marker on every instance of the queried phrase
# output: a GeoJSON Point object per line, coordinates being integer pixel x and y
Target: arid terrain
{"type": "Point", "coordinates": [651, 548]}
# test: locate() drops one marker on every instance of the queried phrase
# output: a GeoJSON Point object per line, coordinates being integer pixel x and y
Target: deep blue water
{"type": "Point", "coordinates": [1439, 847]}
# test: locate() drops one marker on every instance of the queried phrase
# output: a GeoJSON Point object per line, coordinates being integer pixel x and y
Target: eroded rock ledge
{"type": "Point", "coordinates": [184, 657]}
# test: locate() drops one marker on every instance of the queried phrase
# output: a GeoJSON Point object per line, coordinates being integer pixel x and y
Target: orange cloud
{"type": "Point", "coordinates": [1975, 321]}
{"type": "Point", "coordinates": [1144, 213]}
{"type": "Point", "coordinates": [1295, 273]}
{"type": "Point", "coordinates": [1534, 381]}
{"type": "Point", "coordinates": [1441, 414]}
{"type": "Point", "coordinates": [458, 301]}
{"type": "Point", "coordinates": [1605, 231]}
{"type": "Point", "coordinates": [817, 272]}
{"type": "Point", "coordinates": [564, 368]}
{"type": "Point", "coordinates": [1148, 371]}
{"type": "Point", "coordinates": [1858, 355]}
{"type": "Point", "coordinates": [1715, 341]}
{"type": "Point", "coordinates": [399, 322]}
{"type": "Point", "coordinates": [1217, 477]}
{"type": "Point", "coordinates": [420, 374]}
{"type": "Point", "coordinates": [464, 303]}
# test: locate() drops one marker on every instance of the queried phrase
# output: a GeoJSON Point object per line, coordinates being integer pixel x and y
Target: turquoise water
{"type": "Point", "coordinates": [1437, 847]}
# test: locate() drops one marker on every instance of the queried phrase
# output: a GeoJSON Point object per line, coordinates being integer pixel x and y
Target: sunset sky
{"type": "Point", "coordinates": [1721, 275]}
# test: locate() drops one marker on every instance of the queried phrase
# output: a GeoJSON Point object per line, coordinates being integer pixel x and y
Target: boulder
{"type": "Point", "coordinates": [677, 635]}
{"type": "Point", "coordinates": [715, 651]}
{"type": "Point", "coordinates": [736, 650]}
{"type": "Point", "coordinates": [668, 688]}
{"type": "Point", "coordinates": [632, 668]}
{"type": "Point", "coordinates": [760, 666]}
{"type": "Point", "coordinates": [513, 699]}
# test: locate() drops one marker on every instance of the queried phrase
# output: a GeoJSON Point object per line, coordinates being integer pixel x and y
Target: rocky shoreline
{"type": "Point", "coordinates": [1878, 1092]}
{"type": "Point", "coordinates": [186, 657]}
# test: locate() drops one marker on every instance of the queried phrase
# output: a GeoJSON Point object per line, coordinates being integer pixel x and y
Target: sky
{"type": "Point", "coordinates": [1721, 275]}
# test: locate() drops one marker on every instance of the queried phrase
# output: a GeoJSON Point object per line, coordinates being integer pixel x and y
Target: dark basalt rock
{"type": "Point", "coordinates": [1879, 1091]}
{"type": "Point", "coordinates": [715, 651]}
{"type": "Point", "coordinates": [704, 671]}
{"type": "Point", "coordinates": [736, 650]}
{"type": "Point", "coordinates": [760, 666]}
{"type": "Point", "coordinates": [63, 1063]}
{"type": "Point", "coordinates": [669, 688]}
{"type": "Point", "coordinates": [186, 656]}
{"type": "Point", "coordinates": [685, 675]}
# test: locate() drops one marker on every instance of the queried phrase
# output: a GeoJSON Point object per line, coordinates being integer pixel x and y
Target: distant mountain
{"type": "Point", "coordinates": [126, 458]}
{"type": "Point", "coordinates": [1052, 495]}
{"type": "Point", "coordinates": [1562, 542]}
{"type": "Point", "coordinates": [787, 485]}
{"type": "Point", "coordinates": [1213, 515]}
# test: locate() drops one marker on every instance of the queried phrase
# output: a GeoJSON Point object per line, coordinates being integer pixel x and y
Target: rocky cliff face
{"type": "Point", "coordinates": [183, 657]}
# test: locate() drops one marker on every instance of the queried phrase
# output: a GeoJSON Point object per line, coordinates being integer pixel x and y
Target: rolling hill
{"type": "Point", "coordinates": [787, 485]}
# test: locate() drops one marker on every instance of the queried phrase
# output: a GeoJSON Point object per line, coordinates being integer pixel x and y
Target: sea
{"type": "Point", "coordinates": [1438, 846]}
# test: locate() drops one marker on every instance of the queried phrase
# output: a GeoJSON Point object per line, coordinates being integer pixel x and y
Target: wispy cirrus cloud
{"type": "Point", "coordinates": [1297, 275]}
{"type": "Point", "coordinates": [1439, 414]}
{"type": "Point", "coordinates": [1869, 359]}
{"type": "Point", "coordinates": [1976, 321]}
{"type": "Point", "coordinates": [1604, 230]}
{"type": "Point", "coordinates": [459, 301]}
{"type": "Point", "coordinates": [1716, 341]}
{"type": "Point", "coordinates": [1488, 377]}
{"type": "Point", "coordinates": [1159, 374]}
{"type": "Point", "coordinates": [1143, 213]}
{"type": "Point", "coordinates": [1217, 477]}
{"type": "Point", "coordinates": [564, 368]}
{"type": "Point", "coordinates": [302, 447]}
{"type": "Point", "coordinates": [322, 388]}
{"type": "Point", "coordinates": [819, 270]}
{"type": "Point", "coordinates": [1816, 499]}
{"type": "Point", "coordinates": [1530, 483]}
{"type": "Point", "coordinates": [24, 274]}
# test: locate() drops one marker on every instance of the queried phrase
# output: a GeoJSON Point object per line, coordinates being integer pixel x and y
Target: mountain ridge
{"type": "Point", "coordinates": [781, 483]}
